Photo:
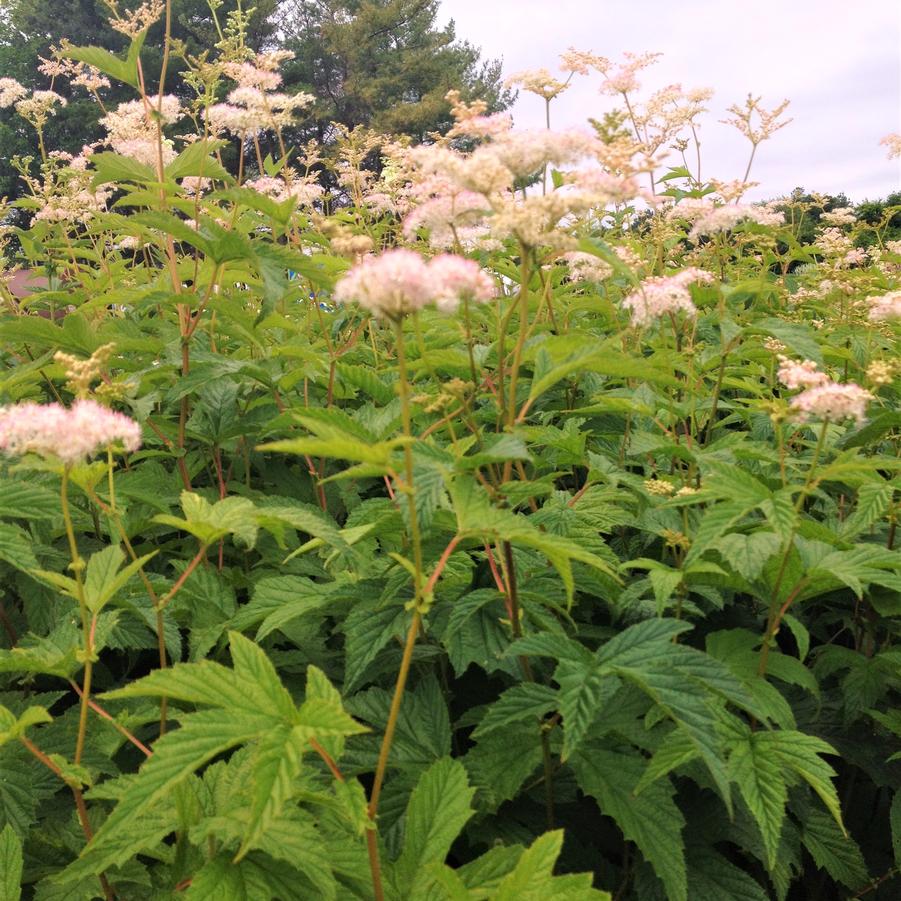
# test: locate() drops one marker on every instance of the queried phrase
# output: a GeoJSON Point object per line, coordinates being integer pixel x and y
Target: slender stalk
{"type": "Point", "coordinates": [528, 673]}
{"type": "Point", "coordinates": [523, 304]}
{"type": "Point", "coordinates": [777, 611]}
{"type": "Point", "coordinates": [87, 628]}
{"type": "Point", "coordinates": [413, 631]}
{"type": "Point", "coordinates": [80, 807]}
{"type": "Point", "coordinates": [104, 714]}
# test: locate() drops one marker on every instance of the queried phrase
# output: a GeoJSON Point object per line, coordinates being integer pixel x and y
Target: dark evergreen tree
{"type": "Point", "coordinates": [386, 64]}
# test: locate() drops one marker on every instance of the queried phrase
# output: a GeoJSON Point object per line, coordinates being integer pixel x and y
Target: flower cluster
{"type": "Point", "coordinates": [132, 23]}
{"type": "Point", "coordinates": [842, 215]}
{"type": "Point", "coordinates": [893, 142]}
{"type": "Point", "coordinates": [885, 307]}
{"type": "Point", "coordinates": [400, 281]}
{"type": "Point", "coordinates": [796, 375]}
{"type": "Point", "coordinates": [832, 401]}
{"type": "Point", "coordinates": [71, 435]}
{"type": "Point", "coordinates": [661, 295]}
{"type": "Point", "coordinates": [756, 123]}
{"type": "Point", "coordinates": [39, 107]}
{"type": "Point", "coordinates": [132, 129]}
{"type": "Point", "coordinates": [710, 219]}
{"type": "Point", "coordinates": [471, 121]}
{"type": "Point", "coordinates": [304, 191]}
{"type": "Point", "coordinates": [11, 92]}
{"type": "Point", "coordinates": [538, 81]}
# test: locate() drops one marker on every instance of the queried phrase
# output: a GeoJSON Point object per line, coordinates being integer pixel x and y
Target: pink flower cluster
{"type": "Point", "coordinates": [11, 92]}
{"type": "Point", "coordinates": [661, 295]}
{"type": "Point", "coordinates": [400, 281]}
{"type": "Point", "coordinates": [832, 401]}
{"type": "Point", "coordinates": [709, 219]}
{"type": "Point", "coordinates": [71, 434]}
{"type": "Point", "coordinates": [886, 307]}
{"type": "Point", "coordinates": [796, 375]}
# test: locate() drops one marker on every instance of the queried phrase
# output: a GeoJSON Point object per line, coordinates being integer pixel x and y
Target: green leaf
{"type": "Point", "coordinates": [16, 547]}
{"type": "Point", "coordinates": [103, 579]}
{"type": "Point", "coordinates": [651, 819]}
{"type": "Point", "coordinates": [24, 500]}
{"type": "Point", "coordinates": [748, 554]}
{"type": "Point", "coordinates": [711, 877]}
{"type": "Point", "coordinates": [341, 447]}
{"type": "Point", "coordinates": [895, 818]}
{"type": "Point", "coordinates": [527, 701]}
{"type": "Point", "coordinates": [13, 727]}
{"type": "Point", "coordinates": [873, 501]}
{"type": "Point", "coordinates": [675, 750]}
{"type": "Point", "coordinates": [176, 755]}
{"type": "Point", "coordinates": [11, 863]}
{"type": "Point", "coordinates": [195, 160]}
{"type": "Point", "coordinates": [761, 782]}
{"type": "Point", "coordinates": [276, 763]}
{"type": "Point", "coordinates": [438, 809]}
{"type": "Point", "coordinates": [533, 877]}
{"type": "Point", "coordinates": [211, 522]}
{"type": "Point", "coordinates": [124, 70]}
{"type": "Point", "coordinates": [111, 167]}
{"type": "Point", "coordinates": [834, 851]}
{"type": "Point", "coordinates": [254, 670]}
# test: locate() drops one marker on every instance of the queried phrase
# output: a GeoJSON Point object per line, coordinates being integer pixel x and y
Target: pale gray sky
{"type": "Point", "coordinates": [838, 62]}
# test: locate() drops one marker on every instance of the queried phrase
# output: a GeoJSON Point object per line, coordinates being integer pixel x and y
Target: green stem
{"type": "Point", "coordinates": [86, 626]}
{"type": "Point", "coordinates": [777, 610]}
{"type": "Point", "coordinates": [413, 631]}
{"type": "Point", "coordinates": [523, 304]}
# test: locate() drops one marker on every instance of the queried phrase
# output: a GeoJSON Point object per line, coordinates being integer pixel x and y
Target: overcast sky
{"type": "Point", "coordinates": [838, 62]}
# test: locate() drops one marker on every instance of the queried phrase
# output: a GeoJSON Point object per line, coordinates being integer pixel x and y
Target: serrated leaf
{"type": "Point", "coordinates": [24, 500]}
{"type": "Point", "coordinates": [834, 851]}
{"type": "Point", "coordinates": [103, 579]}
{"type": "Point", "coordinates": [276, 763]}
{"type": "Point", "coordinates": [526, 701]}
{"type": "Point", "coordinates": [11, 863]}
{"type": "Point", "coordinates": [761, 782]}
{"type": "Point", "coordinates": [711, 877]}
{"type": "Point", "coordinates": [16, 547]}
{"type": "Point", "coordinates": [651, 819]}
{"type": "Point", "coordinates": [438, 809]}
{"type": "Point", "coordinates": [176, 755]}
{"type": "Point", "coordinates": [895, 819]}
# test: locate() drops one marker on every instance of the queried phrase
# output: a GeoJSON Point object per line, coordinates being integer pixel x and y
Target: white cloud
{"type": "Point", "coordinates": [839, 64]}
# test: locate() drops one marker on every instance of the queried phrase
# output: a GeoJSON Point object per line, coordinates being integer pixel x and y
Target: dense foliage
{"type": "Point", "coordinates": [334, 565]}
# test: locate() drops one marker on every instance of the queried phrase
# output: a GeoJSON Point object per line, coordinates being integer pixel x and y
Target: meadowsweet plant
{"type": "Point", "coordinates": [509, 515]}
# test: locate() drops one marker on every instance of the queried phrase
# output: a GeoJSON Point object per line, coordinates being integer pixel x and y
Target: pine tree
{"type": "Point", "coordinates": [386, 64]}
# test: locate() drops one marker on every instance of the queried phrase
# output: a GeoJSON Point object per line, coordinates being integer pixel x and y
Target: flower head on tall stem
{"type": "Point", "coordinates": [661, 295]}
{"type": "Point", "coordinates": [400, 281]}
{"type": "Point", "coordinates": [71, 435]}
{"type": "Point", "coordinates": [833, 402]}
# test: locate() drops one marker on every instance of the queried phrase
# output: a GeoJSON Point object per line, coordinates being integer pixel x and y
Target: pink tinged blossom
{"type": "Point", "coordinates": [581, 62]}
{"type": "Point", "coordinates": [623, 80]}
{"type": "Point", "coordinates": [832, 401]}
{"type": "Point", "coordinates": [72, 435]}
{"type": "Point", "coordinates": [663, 295]}
{"type": "Point", "coordinates": [11, 92]}
{"type": "Point", "coordinates": [400, 281]}
{"type": "Point", "coordinates": [586, 267]}
{"type": "Point", "coordinates": [724, 218]}
{"type": "Point", "coordinates": [796, 375]}
{"type": "Point", "coordinates": [893, 143]}
{"type": "Point", "coordinates": [456, 279]}
{"type": "Point", "coordinates": [248, 75]}
{"type": "Point", "coordinates": [886, 307]}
